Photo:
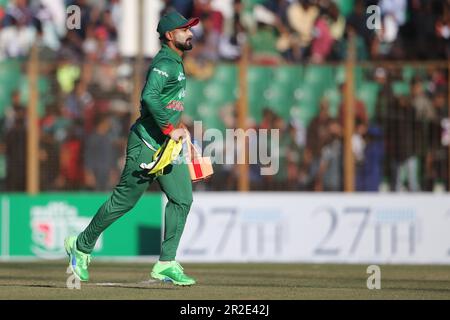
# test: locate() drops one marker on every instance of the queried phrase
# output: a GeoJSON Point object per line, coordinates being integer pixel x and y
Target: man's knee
{"type": "Point", "coordinates": [122, 204]}
{"type": "Point", "coordinates": [115, 207]}
{"type": "Point", "coordinates": [184, 204]}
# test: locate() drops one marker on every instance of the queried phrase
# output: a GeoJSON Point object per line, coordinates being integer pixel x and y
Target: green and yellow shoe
{"type": "Point", "coordinates": [78, 261]}
{"type": "Point", "coordinates": [171, 272]}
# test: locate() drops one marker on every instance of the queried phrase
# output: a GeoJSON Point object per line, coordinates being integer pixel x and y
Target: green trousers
{"type": "Point", "coordinates": [175, 183]}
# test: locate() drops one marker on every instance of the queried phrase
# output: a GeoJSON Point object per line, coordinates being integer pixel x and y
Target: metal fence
{"type": "Point", "coordinates": [398, 140]}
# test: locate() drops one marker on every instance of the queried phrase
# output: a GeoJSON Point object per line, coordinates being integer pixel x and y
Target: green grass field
{"type": "Point", "coordinates": [47, 280]}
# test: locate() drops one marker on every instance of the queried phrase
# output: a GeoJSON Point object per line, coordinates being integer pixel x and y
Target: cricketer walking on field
{"type": "Point", "coordinates": [161, 107]}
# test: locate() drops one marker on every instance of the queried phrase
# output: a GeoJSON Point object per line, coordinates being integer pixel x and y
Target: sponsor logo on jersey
{"type": "Point", "coordinates": [160, 72]}
{"type": "Point", "coordinates": [182, 94]}
{"type": "Point", "coordinates": [175, 105]}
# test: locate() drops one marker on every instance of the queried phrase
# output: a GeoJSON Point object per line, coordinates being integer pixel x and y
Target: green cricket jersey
{"type": "Point", "coordinates": [161, 98]}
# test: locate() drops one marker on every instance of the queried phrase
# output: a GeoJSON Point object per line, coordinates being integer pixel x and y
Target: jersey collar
{"type": "Point", "coordinates": [171, 53]}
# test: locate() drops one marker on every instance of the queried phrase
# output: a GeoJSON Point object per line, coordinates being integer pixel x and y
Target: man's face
{"type": "Point", "coordinates": [182, 38]}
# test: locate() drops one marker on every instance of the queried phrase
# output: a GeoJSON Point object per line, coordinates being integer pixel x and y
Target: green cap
{"type": "Point", "coordinates": [173, 20]}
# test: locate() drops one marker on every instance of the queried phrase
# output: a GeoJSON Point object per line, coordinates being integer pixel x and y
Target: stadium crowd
{"type": "Point", "coordinates": [87, 112]}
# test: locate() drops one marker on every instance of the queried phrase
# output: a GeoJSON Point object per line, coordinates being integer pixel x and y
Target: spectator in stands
{"type": "Point", "coordinates": [384, 101]}
{"type": "Point", "coordinates": [437, 79]}
{"type": "Point", "coordinates": [48, 159]}
{"type": "Point", "coordinates": [2, 16]}
{"type": "Point", "coordinates": [70, 176]}
{"type": "Point", "coordinates": [100, 156]}
{"type": "Point", "coordinates": [357, 21]}
{"type": "Point", "coordinates": [263, 45]}
{"type": "Point", "coordinates": [385, 97]}
{"type": "Point", "coordinates": [322, 44]}
{"type": "Point", "coordinates": [51, 25]}
{"type": "Point", "coordinates": [420, 30]}
{"type": "Point", "coordinates": [443, 30]}
{"type": "Point", "coordinates": [237, 29]}
{"type": "Point", "coordinates": [279, 180]}
{"type": "Point", "coordinates": [359, 143]}
{"type": "Point", "coordinates": [72, 46]}
{"type": "Point", "coordinates": [17, 37]}
{"type": "Point", "coordinates": [370, 171]}
{"type": "Point", "coordinates": [274, 13]}
{"type": "Point", "coordinates": [98, 47]}
{"type": "Point", "coordinates": [329, 176]}
{"type": "Point", "coordinates": [421, 103]}
{"type": "Point", "coordinates": [425, 114]}
{"type": "Point", "coordinates": [396, 8]}
{"type": "Point", "coordinates": [184, 7]}
{"type": "Point", "coordinates": [11, 111]}
{"type": "Point", "coordinates": [294, 154]}
{"type": "Point", "coordinates": [200, 60]}
{"type": "Point", "coordinates": [115, 7]}
{"type": "Point", "coordinates": [16, 152]}
{"type": "Point", "coordinates": [402, 144]}
{"type": "Point", "coordinates": [393, 13]}
{"type": "Point", "coordinates": [336, 21]}
{"type": "Point", "coordinates": [279, 9]}
{"type": "Point", "coordinates": [211, 39]}
{"type": "Point", "coordinates": [107, 22]}
{"type": "Point", "coordinates": [55, 123]}
{"type": "Point", "coordinates": [436, 166]}
{"type": "Point", "coordinates": [67, 72]}
{"type": "Point", "coordinates": [205, 7]}
{"type": "Point", "coordinates": [275, 180]}
{"type": "Point", "coordinates": [302, 15]}
{"type": "Point", "coordinates": [317, 136]}
{"type": "Point", "coordinates": [18, 11]}
{"type": "Point", "coordinates": [317, 132]}
{"type": "Point", "coordinates": [79, 102]}
{"type": "Point", "coordinates": [267, 119]}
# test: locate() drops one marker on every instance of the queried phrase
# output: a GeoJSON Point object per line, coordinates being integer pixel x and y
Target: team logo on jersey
{"type": "Point", "coordinates": [181, 76]}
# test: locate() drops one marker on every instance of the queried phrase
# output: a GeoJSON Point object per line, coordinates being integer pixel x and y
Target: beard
{"type": "Point", "coordinates": [183, 46]}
